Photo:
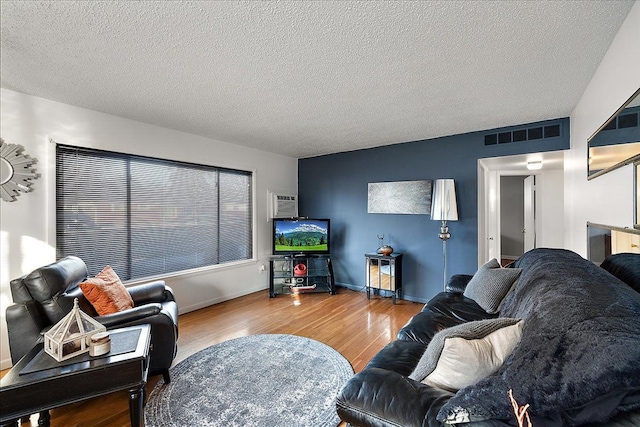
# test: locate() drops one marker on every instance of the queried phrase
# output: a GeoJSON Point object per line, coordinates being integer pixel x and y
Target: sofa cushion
{"type": "Point", "coordinates": [626, 267]}
{"type": "Point", "coordinates": [443, 311]}
{"type": "Point", "coordinates": [481, 345]}
{"type": "Point", "coordinates": [457, 306]}
{"type": "Point", "coordinates": [398, 356]}
{"type": "Point", "coordinates": [424, 325]}
{"type": "Point", "coordinates": [577, 361]}
{"type": "Point", "coordinates": [490, 285]}
{"type": "Point", "coordinates": [457, 283]}
{"type": "Point", "coordinates": [106, 293]}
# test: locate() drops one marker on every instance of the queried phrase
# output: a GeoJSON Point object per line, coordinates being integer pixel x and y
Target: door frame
{"type": "Point", "coordinates": [530, 201]}
{"type": "Point", "coordinates": [489, 230]}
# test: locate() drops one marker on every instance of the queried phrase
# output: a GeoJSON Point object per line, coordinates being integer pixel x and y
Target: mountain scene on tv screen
{"type": "Point", "coordinates": [301, 237]}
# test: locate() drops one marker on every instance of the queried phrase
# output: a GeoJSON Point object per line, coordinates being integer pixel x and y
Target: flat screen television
{"type": "Point", "coordinates": [301, 236]}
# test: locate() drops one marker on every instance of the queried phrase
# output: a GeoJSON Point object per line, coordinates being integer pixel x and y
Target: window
{"type": "Point", "coordinates": [146, 217]}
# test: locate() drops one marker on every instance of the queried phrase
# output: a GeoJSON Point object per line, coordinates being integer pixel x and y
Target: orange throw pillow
{"type": "Point", "coordinates": [106, 292]}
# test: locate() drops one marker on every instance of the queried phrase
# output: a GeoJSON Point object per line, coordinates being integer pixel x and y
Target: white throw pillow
{"type": "Point", "coordinates": [469, 332]}
{"type": "Point", "coordinates": [464, 362]}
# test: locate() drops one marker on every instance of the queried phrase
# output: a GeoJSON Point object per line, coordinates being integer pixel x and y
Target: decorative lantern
{"type": "Point", "coordinates": [71, 336]}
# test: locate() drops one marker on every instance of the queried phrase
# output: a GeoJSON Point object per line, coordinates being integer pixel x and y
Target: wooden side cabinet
{"type": "Point", "coordinates": [384, 272]}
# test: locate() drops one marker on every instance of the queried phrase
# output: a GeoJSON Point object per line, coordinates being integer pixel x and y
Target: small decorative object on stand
{"type": "Point", "coordinates": [100, 344]}
{"type": "Point", "coordinates": [300, 270]}
{"type": "Point", "coordinates": [383, 249]}
{"type": "Point", "coordinates": [71, 336]}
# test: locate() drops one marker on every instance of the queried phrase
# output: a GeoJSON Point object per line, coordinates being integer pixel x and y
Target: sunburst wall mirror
{"type": "Point", "coordinates": [16, 171]}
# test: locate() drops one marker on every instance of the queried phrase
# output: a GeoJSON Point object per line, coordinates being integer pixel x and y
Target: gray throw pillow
{"type": "Point", "coordinates": [490, 285]}
{"type": "Point", "coordinates": [470, 331]}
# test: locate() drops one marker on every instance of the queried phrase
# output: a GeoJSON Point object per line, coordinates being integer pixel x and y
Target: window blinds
{"type": "Point", "coordinates": [147, 217]}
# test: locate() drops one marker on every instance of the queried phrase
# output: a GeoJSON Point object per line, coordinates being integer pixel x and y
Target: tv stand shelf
{"type": "Point", "coordinates": [293, 274]}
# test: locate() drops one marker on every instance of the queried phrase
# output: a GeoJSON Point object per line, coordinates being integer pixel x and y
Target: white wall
{"type": "Point", "coordinates": [549, 209]}
{"type": "Point", "coordinates": [28, 224]}
{"type": "Point", "coordinates": [607, 199]}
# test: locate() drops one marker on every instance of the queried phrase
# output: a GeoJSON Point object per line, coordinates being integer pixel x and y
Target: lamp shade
{"type": "Point", "coordinates": [443, 204]}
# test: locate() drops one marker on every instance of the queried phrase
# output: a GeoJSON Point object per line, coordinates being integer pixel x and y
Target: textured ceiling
{"type": "Point", "coordinates": [311, 78]}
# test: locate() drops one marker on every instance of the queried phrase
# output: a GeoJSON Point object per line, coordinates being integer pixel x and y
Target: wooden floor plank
{"type": "Point", "coordinates": [356, 327]}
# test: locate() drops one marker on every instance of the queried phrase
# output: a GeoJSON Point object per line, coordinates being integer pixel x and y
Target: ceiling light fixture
{"type": "Point", "coordinates": [533, 166]}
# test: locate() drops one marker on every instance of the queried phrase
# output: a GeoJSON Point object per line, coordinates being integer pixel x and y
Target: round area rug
{"type": "Point", "coordinates": [260, 380]}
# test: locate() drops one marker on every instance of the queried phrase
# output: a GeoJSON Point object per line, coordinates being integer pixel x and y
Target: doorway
{"type": "Point", "coordinates": [501, 216]}
{"type": "Point", "coordinates": [517, 216]}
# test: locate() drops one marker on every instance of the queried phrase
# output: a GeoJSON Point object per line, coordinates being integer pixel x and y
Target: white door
{"type": "Point", "coordinates": [529, 213]}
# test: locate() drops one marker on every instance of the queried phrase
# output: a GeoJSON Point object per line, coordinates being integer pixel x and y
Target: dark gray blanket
{"type": "Point", "coordinates": [578, 359]}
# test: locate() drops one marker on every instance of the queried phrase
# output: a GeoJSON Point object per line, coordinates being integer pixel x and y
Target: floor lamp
{"type": "Point", "coordinates": [444, 208]}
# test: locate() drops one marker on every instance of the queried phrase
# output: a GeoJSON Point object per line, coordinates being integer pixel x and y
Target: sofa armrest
{"type": "Point", "coordinates": [131, 315]}
{"type": "Point", "coordinates": [377, 397]}
{"type": "Point", "coordinates": [458, 282]}
{"type": "Point", "coordinates": [150, 292]}
{"type": "Point", "coordinates": [25, 323]}
{"type": "Point", "coordinates": [163, 319]}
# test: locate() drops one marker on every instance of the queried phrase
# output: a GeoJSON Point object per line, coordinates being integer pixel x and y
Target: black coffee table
{"type": "Point", "coordinates": [38, 383]}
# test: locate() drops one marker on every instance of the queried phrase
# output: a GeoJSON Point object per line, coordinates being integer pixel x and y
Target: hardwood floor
{"type": "Point", "coordinates": [356, 327]}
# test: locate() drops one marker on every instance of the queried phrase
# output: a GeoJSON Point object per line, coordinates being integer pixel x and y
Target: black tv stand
{"type": "Point", "coordinates": [314, 274]}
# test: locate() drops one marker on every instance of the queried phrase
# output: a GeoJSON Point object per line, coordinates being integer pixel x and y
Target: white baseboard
{"type": "Point", "coordinates": [5, 364]}
{"type": "Point", "coordinates": [223, 298]}
{"type": "Point", "coordinates": [402, 296]}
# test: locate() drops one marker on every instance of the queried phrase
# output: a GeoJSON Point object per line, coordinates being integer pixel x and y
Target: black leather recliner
{"type": "Point", "coordinates": [44, 296]}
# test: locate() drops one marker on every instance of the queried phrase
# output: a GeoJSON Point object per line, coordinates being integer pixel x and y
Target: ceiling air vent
{"type": "Point", "coordinates": [504, 137]}
{"type": "Point", "coordinates": [628, 121]}
{"type": "Point", "coordinates": [534, 133]}
{"type": "Point", "coordinates": [623, 121]}
{"type": "Point", "coordinates": [491, 139]}
{"type": "Point", "coordinates": [520, 135]}
{"type": "Point", "coordinates": [552, 131]}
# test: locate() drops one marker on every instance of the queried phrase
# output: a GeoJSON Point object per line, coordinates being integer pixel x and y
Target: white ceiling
{"type": "Point", "coordinates": [309, 78]}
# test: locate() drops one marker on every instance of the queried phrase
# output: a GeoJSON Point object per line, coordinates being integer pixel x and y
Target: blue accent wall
{"type": "Point", "coordinates": [335, 186]}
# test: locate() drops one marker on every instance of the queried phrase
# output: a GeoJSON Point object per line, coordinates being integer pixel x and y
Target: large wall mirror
{"type": "Point", "coordinates": [617, 142]}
